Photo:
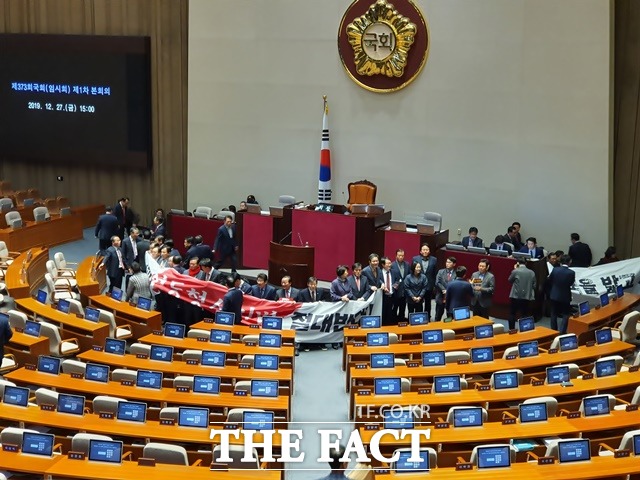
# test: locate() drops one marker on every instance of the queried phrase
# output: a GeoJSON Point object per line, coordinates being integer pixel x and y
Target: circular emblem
{"type": "Point", "coordinates": [383, 46]}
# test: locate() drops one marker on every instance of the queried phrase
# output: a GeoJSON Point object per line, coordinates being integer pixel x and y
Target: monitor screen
{"type": "Point", "coordinates": [91, 314]}
{"type": "Point", "coordinates": [398, 418]}
{"type": "Point", "coordinates": [48, 364]}
{"type": "Point", "coordinates": [264, 388]}
{"type": "Point", "coordinates": [225, 318]}
{"type": "Point", "coordinates": [64, 305]}
{"type": "Point", "coordinates": [71, 404]}
{"type": "Point", "coordinates": [15, 396]}
{"type": "Point", "coordinates": [604, 336]}
{"type": "Point", "coordinates": [483, 331]}
{"type": "Point", "coordinates": [266, 362]}
{"type": "Point", "coordinates": [528, 349]}
{"type": "Point", "coordinates": [161, 353]}
{"type": "Point", "coordinates": [462, 313]}
{"type": "Point", "coordinates": [38, 443]}
{"type": "Point", "coordinates": [482, 354]}
{"type": "Point", "coordinates": [193, 417]}
{"type": "Point", "coordinates": [105, 451]}
{"type": "Point", "coordinates": [220, 336]}
{"type": "Point", "coordinates": [403, 465]}
{"type": "Point", "coordinates": [32, 328]}
{"type": "Point", "coordinates": [174, 330]}
{"type": "Point", "coordinates": [467, 417]}
{"type": "Point", "coordinates": [636, 445]}
{"type": "Point", "coordinates": [418, 318]}
{"type": "Point", "coordinates": [558, 374]}
{"type": "Point", "coordinates": [569, 342]}
{"type": "Point", "coordinates": [273, 340]}
{"type": "Point", "coordinates": [370, 321]}
{"type": "Point", "coordinates": [493, 457]}
{"type": "Point", "coordinates": [213, 359]}
{"type": "Point", "coordinates": [533, 412]}
{"type": "Point", "coordinates": [116, 294]}
{"type": "Point", "coordinates": [446, 383]}
{"type": "Point", "coordinates": [619, 290]}
{"type": "Point", "coordinates": [149, 379]}
{"type": "Point", "coordinates": [387, 386]}
{"type": "Point", "coordinates": [604, 299]}
{"type": "Point", "coordinates": [526, 324]}
{"type": "Point", "coordinates": [503, 380]}
{"type": "Point", "coordinates": [204, 384]}
{"type": "Point", "coordinates": [97, 373]}
{"type": "Point", "coordinates": [606, 368]}
{"type": "Point", "coordinates": [433, 358]}
{"type": "Point", "coordinates": [432, 336]}
{"type": "Point", "coordinates": [144, 303]}
{"type": "Point", "coordinates": [382, 360]}
{"type": "Point", "coordinates": [257, 420]}
{"type": "Point", "coordinates": [113, 345]}
{"type": "Point", "coordinates": [578, 450]}
{"type": "Point", "coordinates": [132, 411]}
{"type": "Point", "coordinates": [584, 308]}
{"type": "Point", "coordinates": [596, 405]}
{"type": "Point", "coordinates": [42, 296]}
{"type": "Point", "coordinates": [272, 323]}
{"type": "Point", "coordinates": [380, 339]}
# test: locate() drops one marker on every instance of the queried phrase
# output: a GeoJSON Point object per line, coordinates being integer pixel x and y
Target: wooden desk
{"type": "Point", "coordinates": [142, 322]}
{"type": "Point", "coordinates": [88, 214]}
{"type": "Point", "coordinates": [22, 284]}
{"type": "Point", "coordinates": [87, 332]}
{"type": "Point", "coordinates": [180, 227]}
{"type": "Point", "coordinates": [53, 232]}
{"type": "Point", "coordinates": [602, 317]}
{"type": "Point", "coordinates": [27, 348]}
{"type": "Point", "coordinates": [26, 213]}
{"type": "Point", "coordinates": [16, 462]}
{"type": "Point", "coordinates": [411, 242]}
{"type": "Point", "coordinates": [91, 281]}
{"type": "Point", "coordinates": [240, 331]}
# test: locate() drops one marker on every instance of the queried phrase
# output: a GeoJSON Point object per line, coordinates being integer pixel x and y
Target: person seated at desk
{"type": "Point", "coordinates": [287, 292]}
{"type": "Point", "coordinates": [498, 244]}
{"type": "Point", "coordinates": [262, 289]}
{"type": "Point", "coordinates": [340, 287]}
{"type": "Point", "coordinates": [532, 248]}
{"type": "Point", "coordinates": [359, 284]}
{"type": "Point", "coordinates": [232, 300]}
{"type": "Point", "coordinates": [472, 240]}
{"type": "Point", "coordinates": [579, 252]}
{"type": "Point", "coordinates": [459, 292]}
{"type": "Point", "coordinates": [312, 293]}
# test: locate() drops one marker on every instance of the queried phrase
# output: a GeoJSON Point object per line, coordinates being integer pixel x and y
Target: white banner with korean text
{"type": "Point", "coordinates": [594, 281]}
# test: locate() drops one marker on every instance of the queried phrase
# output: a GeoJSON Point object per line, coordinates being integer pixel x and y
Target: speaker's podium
{"type": "Point", "coordinates": [297, 262]}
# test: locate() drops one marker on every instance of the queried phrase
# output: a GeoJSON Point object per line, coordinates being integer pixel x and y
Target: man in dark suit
{"type": "Point", "coordinates": [389, 286]}
{"type": "Point", "coordinates": [287, 292]}
{"type": "Point", "coordinates": [372, 272]}
{"type": "Point", "coordinates": [226, 243]}
{"type": "Point", "coordinates": [559, 283]}
{"type": "Point", "coordinates": [130, 248]}
{"type": "Point", "coordinates": [143, 248]}
{"type": "Point", "coordinates": [262, 289]}
{"type": "Point", "coordinates": [114, 263]}
{"type": "Point", "coordinates": [459, 292]}
{"type": "Point", "coordinates": [472, 240]}
{"type": "Point", "coordinates": [190, 247]}
{"type": "Point", "coordinates": [444, 277]}
{"type": "Point", "coordinates": [579, 252]}
{"type": "Point", "coordinates": [513, 238]}
{"type": "Point", "coordinates": [158, 227]}
{"type": "Point", "coordinates": [209, 274]}
{"type": "Point", "coordinates": [202, 249]}
{"type": "Point", "coordinates": [359, 284]}
{"type": "Point", "coordinates": [106, 228]}
{"type": "Point", "coordinates": [429, 269]}
{"type": "Point", "coordinates": [400, 269]}
{"type": "Point", "coordinates": [532, 248]}
{"type": "Point", "coordinates": [313, 293]}
{"type": "Point", "coordinates": [125, 216]}
{"type": "Point", "coordinates": [232, 300]}
{"type": "Point", "coordinates": [499, 244]}
{"type": "Point", "coordinates": [5, 334]}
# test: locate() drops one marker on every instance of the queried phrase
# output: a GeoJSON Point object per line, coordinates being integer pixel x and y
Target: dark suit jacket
{"type": "Point", "coordinates": [127, 252]}
{"type": "Point", "coordinates": [269, 292]}
{"type": "Point", "coordinates": [368, 274]}
{"type": "Point", "coordinates": [106, 227]}
{"type": "Point", "coordinates": [225, 245]}
{"type": "Point", "coordinates": [494, 245]}
{"type": "Point", "coordinates": [466, 242]}
{"type": "Point", "coordinates": [5, 335]}
{"type": "Point", "coordinates": [459, 294]}
{"type": "Point", "coordinates": [305, 295]}
{"type": "Point", "coordinates": [429, 272]}
{"type": "Point", "coordinates": [559, 283]}
{"type": "Point", "coordinates": [202, 251]}
{"type": "Point", "coordinates": [189, 254]}
{"type": "Point", "coordinates": [539, 252]}
{"type": "Point", "coordinates": [125, 220]}
{"type": "Point", "coordinates": [395, 270]}
{"type": "Point", "coordinates": [160, 230]}
{"type": "Point", "coordinates": [517, 244]}
{"type": "Point", "coordinates": [365, 288]}
{"type": "Point", "coordinates": [111, 262]}
{"type": "Point", "coordinates": [294, 294]}
{"type": "Point", "coordinates": [232, 302]}
{"type": "Point", "coordinates": [245, 287]}
{"type": "Point", "coordinates": [580, 254]}
{"type": "Point", "coordinates": [215, 275]}
{"type": "Point", "coordinates": [143, 247]}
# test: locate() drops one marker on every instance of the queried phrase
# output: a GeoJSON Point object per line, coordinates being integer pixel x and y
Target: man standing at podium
{"type": "Point", "coordinates": [428, 263]}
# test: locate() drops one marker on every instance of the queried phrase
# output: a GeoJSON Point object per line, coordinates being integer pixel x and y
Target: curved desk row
{"type": "Point", "coordinates": [26, 273]}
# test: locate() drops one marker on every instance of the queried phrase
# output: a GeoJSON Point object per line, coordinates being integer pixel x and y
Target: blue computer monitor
{"type": "Point", "coordinates": [418, 318]}
{"type": "Point", "coordinates": [193, 417]}
{"type": "Point", "coordinates": [257, 420]}
{"type": "Point", "coordinates": [213, 359]}
{"type": "Point", "coordinates": [115, 346]}
{"type": "Point", "coordinates": [446, 383]}
{"type": "Point", "coordinates": [48, 364]}
{"type": "Point", "coordinates": [558, 374]}
{"type": "Point", "coordinates": [132, 411]}
{"type": "Point", "coordinates": [378, 339]}
{"type": "Point", "coordinates": [264, 388]}
{"type": "Point", "coordinates": [596, 405]}
{"type": "Point", "coordinates": [432, 336]}
{"type": "Point", "coordinates": [38, 443]}
{"type": "Point", "coordinates": [467, 417]}
{"type": "Point", "coordinates": [526, 324]}
{"type": "Point", "coordinates": [483, 331]}
{"type": "Point", "coordinates": [604, 336]}
{"type": "Point", "coordinates": [149, 379]}
{"type": "Point", "coordinates": [16, 396]}
{"type": "Point", "coordinates": [571, 450]}
{"type": "Point", "coordinates": [73, 404]}
{"type": "Point", "coordinates": [91, 314]}
{"type": "Point", "coordinates": [528, 349]}
{"type": "Point", "coordinates": [606, 367]}
{"type": "Point", "coordinates": [387, 386]}
{"type": "Point", "coordinates": [271, 340]}
{"type": "Point", "coordinates": [462, 313]}
{"type": "Point", "coordinates": [116, 294]}
{"type": "Point", "coordinates": [32, 328]}
{"type": "Point", "coordinates": [63, 305]}
{"type": "Point", "coordinates": [481, 354]}
{"type": "Point", "coordinates": [584, 308]}
{"type": "Point", "coordinates": [266, 362]}
{"type": "Point", "coordinates": [272, 323]}
{"type": "Point", "coordinates": [161, 353]}
{"type": "Point", "coordinates": [108, 451]}
{"type": "Point", "coordinates": [396, 418]}
{"type": "Point", "coordinates": [494, 457]}
{"type": "Point", "coordinates": [636, 445]}
{"type": "Point", "coordinates": [430, 359]}
{"type": "Point", "coordinates": [382, 360]}
{"type": "Point", "coordinates": [224, 318]}
{"type": "Point", "coordinates": [144, 303]}
{"type": "Point", "coordinates": [604, 299]}
{"type": "Point", "coordinates": [503, 380]}
{"type": "Point", "coordinates": [97, 373]}
{"type": "Point", "coordinates": [619, 290]}
{"type": "Point", "coordinates": [403, 465]}
{"type": "Point", "coordinates": [174, 330]}
{"type": "Point", "coordinates": [569, 342]}
{"type": "Point", "coordinates": [370, 321]}
{"type": "Point", "coordinates": [41, 296]}
{"type": "Point", "coordinates": [533, 412]}
{"type": "Point", "coordinates": [205, 384]}
{"type": "Point", "coordinates": [220, 336]}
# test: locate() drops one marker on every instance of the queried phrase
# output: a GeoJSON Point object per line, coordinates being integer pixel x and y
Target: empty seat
{"type": "Point", "coordinates": [59, 281]}
{"type": "Point", "coordinates": [435, 219]}
{"type": "Point", "coordinates": [448, 334]}
{"type": "Point", "coordinates": [17, 319]}
{"type": "Point", "coordinates": [236, 454]}
{"type": "Point", "coordinates": [45, 396]}
{"type": "Point", "coordinates": [635, 400]}
{"type": "Point", "coordinates": [75, 306]}
{"type": "Point", "coordinates": [140, 349]}
{"type": "Point", "coordinates": [626, 443]}
{"type": "Point", "coordinates": [433, 456]}
{"type": "Point", "coordinates": [627, 329]}
{"type": "Point", "coordinates": [286, 200]}
{"type": "Point", "coordinates": [8, 363]}
{"type": "Point", "coordinates": [198, 333]}
{"type": "Point", "coordinates": [106, 404]}
{"type": "Point", "coordinates": [203, 212]}
{"type": "Point", "coordinates": [120, 374]}
{"type": "Point", "coordinates": [70, 366]}
{"type": "Point", "coordinates": [452, 411]}
{"type": "Point", "coordinates": [6, 257]}
{"type": "Point", "coordinates": [166, 453]}
{"type": "Point", "coordinates": [80, 441]}
{"type": "Point", "coordinates": [41, 214]}
{"type": "Point", "coordinates": [115, 331]}
{"type": "Point", "coordinates": [555, 343]}
{"type": "Point", "coordinates": [234, 415]}
{"type": "Point", "coordinates": [61, 290]}
{"type": "Point", "coordinates": [498, 328]}
{"type": "Point", "coordinates": [170, 413]}
{"type": "Point", "coordinates": [474, 452]}
{"type": "Point", "coordinates": [242, 386]}
{"type": "Point", "coordinates": [57, 346]}
{"type": "Point", "coordinates": [552, 404]}
{"type": "Point", "coordinates": [519, 373]}
{"type": "Point", "coordinates": [612, 401]}
{"type": "Point", "coordinates": [456, 355]}
{"type": "Point", "coordinates": [4, 383]}
{"type": "Point", "coordinates": [250, 339]}
{"type": "Point", "coordinates": [13, 435]}
{"type": "Point", "coordinates": [248, 359]}
{"type": "Point", "coordinates": [64, 267]}
{"type": "Point", "coordinates": [13, 219]}
{"type": "Point", "coordinates": [183, 381]}
{"type": "Point", "coordinates": [192, 355]}
{"type": "Point", "coordinates": [510, 351]}
{"type": "Point", "coordinates": [5, 204]}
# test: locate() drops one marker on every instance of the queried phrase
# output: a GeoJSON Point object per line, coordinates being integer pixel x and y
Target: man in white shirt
{"type": "Point", "coordinates": [388, 287]}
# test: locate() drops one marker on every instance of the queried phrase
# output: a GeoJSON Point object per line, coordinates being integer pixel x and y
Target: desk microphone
{"type": "Point", "coordinates": [285, 237]}
{"type": "Point", "coordinates": [344, 198]}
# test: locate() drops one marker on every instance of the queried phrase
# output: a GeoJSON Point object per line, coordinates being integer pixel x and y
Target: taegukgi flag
{"type": "Point", "coordinates": [324, 180]}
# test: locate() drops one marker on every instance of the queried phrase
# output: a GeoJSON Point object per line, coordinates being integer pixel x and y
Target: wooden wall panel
{"type": "Point", "coordinates": [166, 23]}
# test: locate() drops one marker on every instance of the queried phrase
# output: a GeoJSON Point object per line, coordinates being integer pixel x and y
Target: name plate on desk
{"type": "Point", "coordinates": [463, 361]}
{"type": "Point", "coordinates": [622, 453]}
{"type": "Point", "coordinates": [183, 389]}
{"type": "Point", "coordinates": [107, 415]}
{"type": "Point", "coordinates": [192, 361]}
{"type": "Point", "coordinates": [244, 366]}
{"type": "Point", "coordinates": [207, 320]}
{"type": "Point", "coordinates": [157, 332]}
{"type": "Point", "coordinates": [439, 425]}
{"type": "Point", "coordinates": [467, 338]}
{"type": "Point", "coordinates": [132, 304]}
{"type": "Point", "coordinates": [7, 447]}
{"type": "Point", "coordinates": [415, 342]}
{"type": "Point", "coordinates": [202, 339]}
{"type": "Point", "coordinates": [29, 366]}
{"type": "Point", "coordinates": [511, 357]}
{"type": "Point", "coordinates": [77, 375]}
{"type": "Point", "coordinates": [97, 348]}
{"type": "Point", "coordinates": [361, 366]}
{"type": "Point", "coordinates": [126, 383]}
{"type": "Point", "coordinates": [635, 368]}
{"type": "Point", "coordinates": [587, 376]}
{"type": "Point", "coordinates": [353, 327]}
{"type": "Point", "coordinates": [508, 421]}
{"type": "Point", "coordinates": [230, 426]}
{"type": "Point", "coordinates": [372, 426]}
{"type": "Point", "coordinates": [363, 392]}
{"type": "Point", "coordinates": [513, 331]}
{"type": "Point", "coordinates": [47, 408]}
{"type": "Point", "coordinates": [381, 471]}
{"type": "Point", "coordinates": [19, 329]}
{"type": "Point", "coordinates": [146, 462]}
{"type": "Point", "coordinates": [403, 324]}
{"type": "Point", "coordinates": [632, 408]}
{"type": "Point", "coordinates": [424, 391]}
{"type": "Point", "coordinates": [79, 315]}
{"type": "Point", "coordinates": [167, 421]}
{"type": "Point", "coordinates": [240, 393]}
{"type": "Point", "coordinates": [254, 325]}
{"type": "Point", "coordinates": [483, 388]}
{"type": "Point", "coordinates": [574, 415]}
{"type": "Point", "coordinates": [413, 364]}
{"type": "Point", "coordinates": [250, 344]}
{"type": "Point", "coordinates": [551, 351]}
{"type": "Point", "coordinates": [464, 466]}
{"type": "Point", "coordinates": [76, 455]}
{"type": "Point", "coordinates": [537, 383]}
{"type": "Point", "coordinates": [143, 356]}
{"type": "Point", "coordinates": [546, 460]}
{"type": "Point", "coordinates": [358, 344]}
{"type": "Point", "coordinates": [590, 343]}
